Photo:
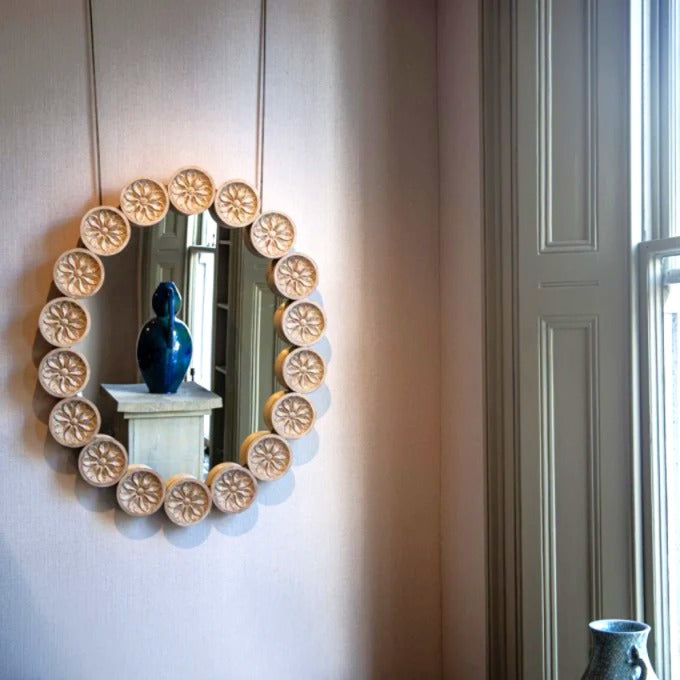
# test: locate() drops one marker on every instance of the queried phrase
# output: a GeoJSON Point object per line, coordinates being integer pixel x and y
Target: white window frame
{"type": "Point", "coordinates": [654, 489]}
{"type": "Point", "coordinates": [655, 175]}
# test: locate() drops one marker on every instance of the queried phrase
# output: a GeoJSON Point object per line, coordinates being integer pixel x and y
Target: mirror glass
{"type": "Point", "coordinates": [229, 309]}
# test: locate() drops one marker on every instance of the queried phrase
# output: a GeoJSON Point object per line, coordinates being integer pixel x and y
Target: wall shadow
{"type": "Point", "coordinates": [235, 525]}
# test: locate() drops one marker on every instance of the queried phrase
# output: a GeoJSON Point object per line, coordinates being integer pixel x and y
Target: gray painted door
{"type": "Point", "coordinates": [572, 263]}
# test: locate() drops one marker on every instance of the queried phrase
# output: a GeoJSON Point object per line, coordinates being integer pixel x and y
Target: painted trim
{"type": "Point", "coordinates": [499, 67]}
{"type": "Point", "coordinates": [548, 242]}
{"type": "Point", "coordinates": [548, 327]}
{"type": "Point", "coordinates": [654, 528]}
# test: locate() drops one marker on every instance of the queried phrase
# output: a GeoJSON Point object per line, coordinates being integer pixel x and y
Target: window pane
{"type": "Point", "coordinates": [671, 375]}
{"type": "Point", "coordinates": [664, 374]}
{"type": "Point", "coordinates": [660, 354]}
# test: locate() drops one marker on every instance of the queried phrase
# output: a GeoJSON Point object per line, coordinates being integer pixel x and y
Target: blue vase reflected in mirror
{"type": "Point", "coordinates": [164, 345]}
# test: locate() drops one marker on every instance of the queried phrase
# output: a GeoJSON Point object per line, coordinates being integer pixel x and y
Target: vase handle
{"type": "Point", "coordinates": [637, 660]}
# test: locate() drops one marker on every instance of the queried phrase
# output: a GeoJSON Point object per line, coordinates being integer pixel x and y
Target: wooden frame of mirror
{"type": "Point", "coordinates": [79, 273]}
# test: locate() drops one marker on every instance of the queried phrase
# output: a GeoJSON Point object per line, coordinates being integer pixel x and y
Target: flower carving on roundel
{"type": "Point", "coordinates": [191, 191]}
{"type": "Point", "coordinates": [140, 492]}
{"type": "Point", "coordinates": [272, 235]}
{"type": "Point", "coordinates": [74, 422]}
{"type": "Point", "coordinates": [187, 502]}
{"type": "Point", "coordinates": [303, 323]}
{"type": "Point", "coordinates": [63, 373]}
{"type": "Point", "coordinates": [293, 416]}
{"type": "Point", "coordinates": [105, 230]}
{"type": "Point", "coordinates": [103, 461]}
{"type": "Point", "coordinates": [295, 276]}
{"type": "Point", "coordinates": [234, 489]}
{"type": "Point", "coordinates": [304, 370]}
{"type": "Point", "coordinates": [237, 204]}
{"type": "Point", "coordinates": [144, 202]}
{"type": "Point", "coordinates": [64, 322]}
{"type": "Point", "coordinates": [269, 458]}
{"type": "Point", "coordinates": [78, 273]}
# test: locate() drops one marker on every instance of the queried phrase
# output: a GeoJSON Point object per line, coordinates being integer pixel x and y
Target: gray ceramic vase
{"type": "Point", "coordinates": [619, 651]}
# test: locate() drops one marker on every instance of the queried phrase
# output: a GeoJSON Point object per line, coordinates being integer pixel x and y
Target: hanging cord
{"type": "Point", "coordinates": [261, 75]}
{"type": "Point", "coordinates": [95, 104]}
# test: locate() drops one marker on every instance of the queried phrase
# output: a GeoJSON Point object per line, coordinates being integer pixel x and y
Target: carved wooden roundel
{"type": "Point", "coordinates": [300, 370]}
{"type": "Point", "coordinates": [105, 230]}
{"type": "Point", "coordinates": [74, 422]}
{"type": "Point", "coordinates": [103, 461]}
{"type": "Point", "coordinates": [191, 191]}
{"type": "Point", "coordinates": [144, 202]}
{"type": "Point", "coordinates": [63, 373]}
{"type": "Point", "coordinates": [187, 500]}
{"type": "Point", "coordinates": [233, 487]}
{"type": "Point", "coordinates": [64, 321]}
{"type": "Point", "coordinates": [237, 204]}
{"type": "Point", "coordinates": [268, 456]}
{"type": "Point", "coordinates": [294, 276]}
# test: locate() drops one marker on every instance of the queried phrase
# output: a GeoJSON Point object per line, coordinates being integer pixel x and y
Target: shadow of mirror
{"type": "Point", "coordinates": [274, 493]}
{"type": "Point", "coordinates": [305, 449]}
{"type": "Point", "coordinates": [94, 498]}
{"type": "Point", "coordinates": [186, 537]}
{"type": "Point", "coordinates": [321, 399]}
{"type": "Point", "coordinates": [235, 525]}
{"type": "Point", "coordinates": [138, 528]}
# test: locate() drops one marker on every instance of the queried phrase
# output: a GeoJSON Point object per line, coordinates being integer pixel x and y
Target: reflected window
{"type": "Point", "coordinates": [200, 295]}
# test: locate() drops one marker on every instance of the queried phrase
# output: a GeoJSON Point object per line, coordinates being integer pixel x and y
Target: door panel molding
{"type": "Point", "coordinates": [575, 235]}
{"type": "Point", "coordinates": [552, 356]}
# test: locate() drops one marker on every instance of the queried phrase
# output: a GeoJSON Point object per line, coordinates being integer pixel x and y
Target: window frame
{"type": "Point", "coordinates": [654, 489]}
{"type": "Point", "coordinates": [655, 213]}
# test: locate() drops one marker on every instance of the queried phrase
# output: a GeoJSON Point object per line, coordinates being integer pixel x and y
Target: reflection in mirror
{"type": "Point", "coordinates": [229, 310]}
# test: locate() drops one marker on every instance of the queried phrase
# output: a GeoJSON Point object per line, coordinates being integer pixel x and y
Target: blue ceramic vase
{"type": "Point", "coordinates": [619, 651]}
{"type": "Point", "coordinates": [164, 344]}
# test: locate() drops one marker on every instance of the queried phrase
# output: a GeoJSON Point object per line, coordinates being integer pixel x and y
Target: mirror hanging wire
{"type": "Point", "coordinates": [261, 78]}
{"type": "Point", "coordinates": [95, 103]}
{"type": "Point", "coordinates": [260, 107]}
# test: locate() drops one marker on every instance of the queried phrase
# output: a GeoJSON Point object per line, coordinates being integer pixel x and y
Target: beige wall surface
{"type": "Point", "coordinates": [463, 530]}
{"type": "Point", "coordinates": [334, 573]}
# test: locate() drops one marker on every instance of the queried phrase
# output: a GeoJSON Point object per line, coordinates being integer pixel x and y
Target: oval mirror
{"type": "Point", "coordinates": [222, 305]}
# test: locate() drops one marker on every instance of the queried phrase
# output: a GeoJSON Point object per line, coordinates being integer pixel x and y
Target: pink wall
{"type": "Point", "coordinates": [335, 571]}
{"type": "Point", "coordinates": [463, 527]}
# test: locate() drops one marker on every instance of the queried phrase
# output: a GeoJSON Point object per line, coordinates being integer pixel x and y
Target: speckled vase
{"type": "Point", "coordinates": [619, 651]}
{"type": "Point", "coordinates": [164, 344]}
